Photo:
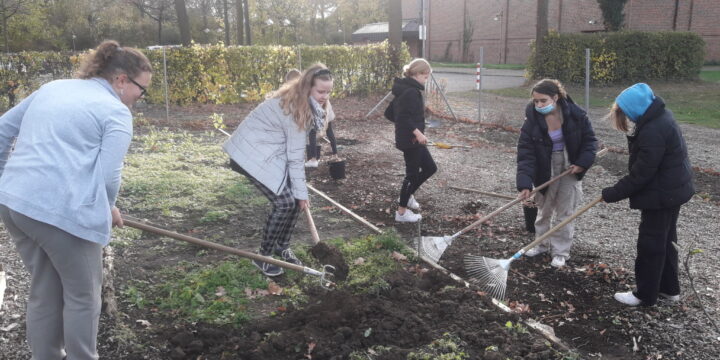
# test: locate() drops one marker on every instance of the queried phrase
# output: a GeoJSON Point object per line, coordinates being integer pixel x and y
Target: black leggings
{"type": "Point", "coordinates": [419, 166]}
{"type": "Point", "coordinates": [312, 149]}
{"type": "Point", "coordinates": [656, 265]}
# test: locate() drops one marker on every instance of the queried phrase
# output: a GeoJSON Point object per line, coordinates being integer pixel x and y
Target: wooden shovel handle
{"type": "Point", "coordinates": [246, 254]}
{"type": "Point", "coordinates": [561, 224]}
{"type": "Point", "coordinates": [311, 225]}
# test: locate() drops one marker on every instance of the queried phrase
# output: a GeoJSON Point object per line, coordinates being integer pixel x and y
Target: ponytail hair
{"type": "Point", "coordinates": [550, 87]}
{"type": "Point", "coordinates": [110, 59]}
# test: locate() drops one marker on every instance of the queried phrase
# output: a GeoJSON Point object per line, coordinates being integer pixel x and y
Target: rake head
{"type": "Point", "coordinates": [434, 246]}
{"type": "Point", "coordinates": [489, 274]}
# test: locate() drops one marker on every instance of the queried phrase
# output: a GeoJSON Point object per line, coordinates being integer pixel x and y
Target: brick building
{"type": "Point", "coordinates": [504, 28]}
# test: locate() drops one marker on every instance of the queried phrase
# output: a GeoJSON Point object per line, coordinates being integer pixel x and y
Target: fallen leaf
{"type": "Point", "coordinates": [602, 332]}
{"type": "Point", "coordinates": [274, 288]}
{"type": "Point", "coordinates": [359, 261]}
{"type": "Point", "coordinates": [9, 327]}
{"type": "Point", "coordinates": [398, 256]}
{"type": "Point", "coordinates": [144, 323]}
{"type": "Point", "coordinates": [220, 291]}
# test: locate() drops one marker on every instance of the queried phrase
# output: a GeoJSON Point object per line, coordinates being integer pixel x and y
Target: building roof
{"type": "Point", "coordinates": [379, 31]}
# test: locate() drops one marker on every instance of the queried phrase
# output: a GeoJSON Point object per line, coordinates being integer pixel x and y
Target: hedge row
{"type": "Point", "coordinates": [626, 56]}
{"type": "Point", "coordinates": [217, 74]}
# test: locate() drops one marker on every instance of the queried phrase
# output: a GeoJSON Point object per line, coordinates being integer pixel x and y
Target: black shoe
{"type": "Point", "coordinates": [268, 269]}
{"type": "Point", "coordinates": [288, 255]}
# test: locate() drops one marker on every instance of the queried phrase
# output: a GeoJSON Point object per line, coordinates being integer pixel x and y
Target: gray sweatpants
{"type": "Point", "coordinates": [560, 199]}
{"type": "Point", "coordinates": [63, 309]}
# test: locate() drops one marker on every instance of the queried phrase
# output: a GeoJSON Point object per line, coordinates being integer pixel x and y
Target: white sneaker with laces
{"type": "Point", "coordinates": [536, 251]}
{"type": "Point", "coordinates": [412, 203]}
{"type": "Point", "coordinates": [627, 298]}
{"type": "Point", "coordinates": [673, 298]}
{"type": "Point", "coordinates": [558, 261]}
{"type": "Point", "coordinates": [311, 164]}
{"type": "Point", "coordinates": [408, 216]}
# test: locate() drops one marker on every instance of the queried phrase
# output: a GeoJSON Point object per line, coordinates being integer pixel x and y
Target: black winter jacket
{"type": "Point", "coordinates": [535, 146]}
{"type": "Point", "coordinates": [660, 174]}
{"type": "Point", "coordinates": [409, 111]}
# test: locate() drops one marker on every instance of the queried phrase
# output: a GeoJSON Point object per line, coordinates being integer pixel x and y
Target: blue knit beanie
{"type": "Point", "coordinates": [635, 100]}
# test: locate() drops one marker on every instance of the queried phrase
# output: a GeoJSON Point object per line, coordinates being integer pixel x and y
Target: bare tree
{"type": "Point", "coordinates": [158, 10]}
{"type": "Point", "coordinates": [226, 21]}
{"type": "Point", "coordinates": [183, 22]}
{"type": "Point", "coordinates": [246, 11]}
{"type": "Point", "coordinates": [239, 15]}
{"type": "Point", "coordinates": [8, 9]}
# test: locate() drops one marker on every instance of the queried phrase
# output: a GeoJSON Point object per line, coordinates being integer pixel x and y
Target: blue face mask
{"type": "Point", "coordinates": [545, 110]}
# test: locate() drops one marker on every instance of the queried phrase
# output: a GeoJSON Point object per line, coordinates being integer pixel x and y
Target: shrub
{"type": "Point", "coordinates": [626, 56]}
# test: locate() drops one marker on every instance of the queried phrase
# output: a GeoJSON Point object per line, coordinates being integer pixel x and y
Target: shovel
{"type": "Point", "coordinates": [323, 275]}
{"type": "Point", "coordinates": [325, 253]}
{"type": "Point", "coordinates": [434, 246]}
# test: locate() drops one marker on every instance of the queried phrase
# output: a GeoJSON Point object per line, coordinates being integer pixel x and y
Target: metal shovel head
{"type": "Point", "coordinates": [433, 247]}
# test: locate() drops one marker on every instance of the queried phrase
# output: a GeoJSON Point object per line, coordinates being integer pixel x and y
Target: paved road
{"type": "Point", "coordinates": [459, 79]}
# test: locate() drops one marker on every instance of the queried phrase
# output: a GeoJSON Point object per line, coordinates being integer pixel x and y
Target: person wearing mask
{"type": "Point", "coordinates": [409, 116]}
{"type": "Point", "coordinates": [556, 135]}
{"type": "Point", "coordinates": [659, 182]}
{"type": "Point", "coordinates": [58, 188]}
{"type": "Point", "coordinates": [268, 148]}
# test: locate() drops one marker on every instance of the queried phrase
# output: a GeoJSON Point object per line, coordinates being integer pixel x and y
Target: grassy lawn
{"type": "Point", "coordinates": [473, 65]}
{"type": "Point", "coordinates": [710, 75]}
{"type": "Point", "coordinates": [691, 102]}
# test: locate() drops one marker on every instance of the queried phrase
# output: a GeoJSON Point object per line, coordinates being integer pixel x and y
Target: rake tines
{"type": "Point", "coordinates": [489, 274]}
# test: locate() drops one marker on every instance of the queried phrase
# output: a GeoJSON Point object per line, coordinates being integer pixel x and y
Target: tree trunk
{"type": "Point", "coordinates": [183, 22]}
{"type": "Point", "coordinates": [395, 31]}
{"type": "Point", "coordinates": [246, 11]}
{"type": "Point", "coordinates": [240, 21]}
{"type": "Point", "coordinates": [541, 30]}
{"type": "Point", "coordinates": [226, 20]}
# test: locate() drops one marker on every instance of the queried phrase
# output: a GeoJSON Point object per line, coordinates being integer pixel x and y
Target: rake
{"type": "Point", "coordinates": [434, 246]}
{"type": "Point", "coordinates": [491, 274]}
{"type": "Point", "coordinates": [323, 275]}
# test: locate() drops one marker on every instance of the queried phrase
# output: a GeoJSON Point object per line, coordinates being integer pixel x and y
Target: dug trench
{"type": "Point", "coordinates": [421, 306]}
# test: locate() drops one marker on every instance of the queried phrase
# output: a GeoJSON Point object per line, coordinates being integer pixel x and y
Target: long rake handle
{"type": "Point", "coordinates": [357, 217]}
{"type": "Point", "coordinates": [501, 196]}
{"type": "Point", "coordinates": [561, 225]}
{"type": "Point", "coordinates": [311, 225]}
{"type": "Point", "coordinates": [231, 250]}
{"type": "Point", "coordinates": [510, 204]}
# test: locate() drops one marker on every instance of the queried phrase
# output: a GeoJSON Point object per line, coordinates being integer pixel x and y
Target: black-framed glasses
{"type": "Point", "coordinates": [143, 90]}
{"type": "Point", "coordinates": [320, 72]}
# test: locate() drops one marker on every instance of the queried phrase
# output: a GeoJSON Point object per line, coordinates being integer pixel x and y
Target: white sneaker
{"type": "Point", "coordinates": [536, 251]}
{"type": "Point", "coordinates": [558, 261]}
{"type": "Point", "coordinates": [673, 298]}
{"type": "Point", "coordinates": [627, 298]}
{"type": "Point", "coordinates": [408, 216]}
{"type": "Point", "coordinates": [413, 204]}
{"type": "Point", "coordinates": [311, 164]}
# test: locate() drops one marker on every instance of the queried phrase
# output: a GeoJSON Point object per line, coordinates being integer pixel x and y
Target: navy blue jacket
{"type": "Point", "coordinates": [409, 111]}
{"type": "Point", "coordinates": [535, 146]}
{"type": "Point", "coordinates": [660, 173]}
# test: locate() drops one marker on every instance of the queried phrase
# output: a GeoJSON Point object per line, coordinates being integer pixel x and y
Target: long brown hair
{"type": "Point", "coordinates": [550, 87]}
{"type": "Point", "coordinates": [109, 59]}
{"type": "Point", "coordinates": [294, 94]}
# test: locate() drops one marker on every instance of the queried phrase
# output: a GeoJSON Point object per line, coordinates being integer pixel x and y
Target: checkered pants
{"type": "Point", "coordinates": [282, 219]}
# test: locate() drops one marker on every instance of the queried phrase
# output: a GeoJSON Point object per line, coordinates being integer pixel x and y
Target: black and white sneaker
{"type": "Point", "coordinates": [288, 255]}
{"type": "Point", "coordinates": [268, 269]}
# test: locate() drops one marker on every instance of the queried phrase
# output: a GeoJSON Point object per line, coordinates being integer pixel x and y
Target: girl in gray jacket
{"type": "Point", "coordinates": [269, 149]}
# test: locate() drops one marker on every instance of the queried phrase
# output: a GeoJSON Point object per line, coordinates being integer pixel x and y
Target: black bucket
{"type": "Point", "coordinates": [530, 216]}
{"type": "Point", "coordinates": [317, 152]}
{"type": "Point", "coordinates": [337, 169]}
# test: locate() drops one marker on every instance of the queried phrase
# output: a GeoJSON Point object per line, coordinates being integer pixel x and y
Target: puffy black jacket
{"type": "Point", "coordinates": [535, 146]}
{"type": "Point", "coordinates": [409, 111]}
{"type": "Point", "coordinates": [660, 174]}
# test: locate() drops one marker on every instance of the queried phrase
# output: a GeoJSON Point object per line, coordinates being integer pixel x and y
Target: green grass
{"type": "Point", "coordinates": [181, 175]}
{"type": "Point", "coordinates": [710, 75]}
{"type": "Point", "coordinates": [691, 102]}
{"type": "Point", "coordinates": [474, 65]}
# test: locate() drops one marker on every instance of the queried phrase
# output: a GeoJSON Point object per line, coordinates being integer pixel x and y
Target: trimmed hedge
{"type": "Point", "coordinates": [217, 74]}
{"type": "Point", "coordinates": [626, 56]}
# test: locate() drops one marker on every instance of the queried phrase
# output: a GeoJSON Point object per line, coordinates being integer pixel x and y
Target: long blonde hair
{"type": "Point", "coordinates": [294, 94]}
{"type": "Point", "coordinates": [618, 119]}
